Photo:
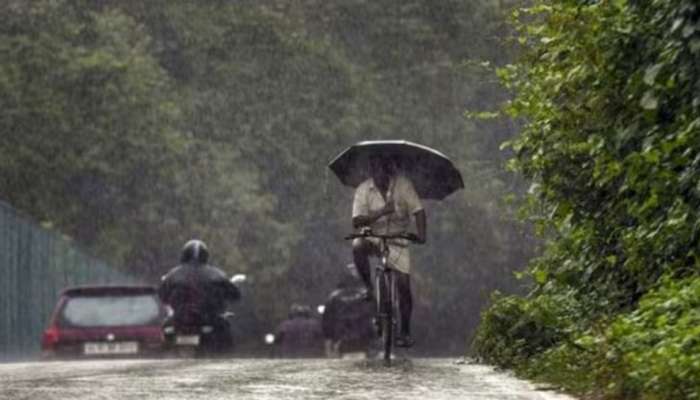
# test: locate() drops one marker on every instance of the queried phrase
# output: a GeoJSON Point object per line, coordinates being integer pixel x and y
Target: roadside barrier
{"type": "Point", "coordinates": [35, 265]}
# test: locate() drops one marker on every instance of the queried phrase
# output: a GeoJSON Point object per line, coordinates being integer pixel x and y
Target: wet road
{"type": "Point", "coordinates": [261, 379]}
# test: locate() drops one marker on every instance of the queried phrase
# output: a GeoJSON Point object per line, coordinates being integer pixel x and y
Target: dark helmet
{"type": "Point", "coordinates": [195, 251]}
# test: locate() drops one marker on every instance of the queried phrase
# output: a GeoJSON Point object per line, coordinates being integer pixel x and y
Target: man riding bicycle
{"type": "Point", "coordinates": [385, 203]}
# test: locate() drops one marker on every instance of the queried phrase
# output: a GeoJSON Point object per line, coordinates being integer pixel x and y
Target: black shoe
{"type": "Point", "coordinates": [405, 341]}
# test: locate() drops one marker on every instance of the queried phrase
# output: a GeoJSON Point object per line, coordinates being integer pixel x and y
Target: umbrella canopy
{"type": "Point", "coordinates": [432, 173]}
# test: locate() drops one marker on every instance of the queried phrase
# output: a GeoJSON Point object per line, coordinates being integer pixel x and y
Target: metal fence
{"type": "Point", "coordinates": [35, 265]}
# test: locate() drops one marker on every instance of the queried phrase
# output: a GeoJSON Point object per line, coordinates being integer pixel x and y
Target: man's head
{"type": "Point", "coordinates": [194, 252]}
{"type": "Point", "coordinates": [381, 169]}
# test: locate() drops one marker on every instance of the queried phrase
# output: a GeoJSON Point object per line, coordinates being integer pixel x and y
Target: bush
{"type": "Point", "coordinates": [515, 328]}
{"type": "Point", "coordinates": [608, 95]}
{"type": "Point", "coordinates": [655, 350]}
{"type": "Point", "coordinates": [567, 365]}
{"type": "Point", "coordinates": [651, 353]}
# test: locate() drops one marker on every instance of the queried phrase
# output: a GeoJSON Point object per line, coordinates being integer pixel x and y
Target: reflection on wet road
{"type": "Point", "coordinates": [261, 379]}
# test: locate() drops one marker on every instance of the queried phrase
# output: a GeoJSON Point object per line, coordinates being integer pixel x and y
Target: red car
{"type": "Point", "coordinates": [97, 321]}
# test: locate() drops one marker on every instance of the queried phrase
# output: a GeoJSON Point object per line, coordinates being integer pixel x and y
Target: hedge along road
{"type": "Point", "coordinates": [262, 379]}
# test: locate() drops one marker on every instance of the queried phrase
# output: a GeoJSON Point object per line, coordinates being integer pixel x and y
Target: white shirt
{"type": "Point", "coordinates": [368, 198]}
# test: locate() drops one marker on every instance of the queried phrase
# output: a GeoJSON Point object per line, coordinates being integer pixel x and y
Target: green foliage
{"type": "Point", "coordinates": [610, 142]}
{"type": "Point", "coordinates": [514, 329]}
{"type": "Point", "coordinates": [655, 350]}
{"type": "Point", "coordinates": [608, 95]}
{"type": "Point", "coordinates": [77, 151]}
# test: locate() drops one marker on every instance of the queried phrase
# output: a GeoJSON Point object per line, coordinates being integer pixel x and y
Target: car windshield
{"type": "Point", "coordinates": [111, 310]}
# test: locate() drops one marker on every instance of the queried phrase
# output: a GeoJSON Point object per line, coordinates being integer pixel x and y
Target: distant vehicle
{"type": "Point", "coordinates": [105, 321]}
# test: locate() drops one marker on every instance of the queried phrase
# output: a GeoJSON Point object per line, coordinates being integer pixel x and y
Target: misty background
{"type": "Point", "coordinates": [131, 127]}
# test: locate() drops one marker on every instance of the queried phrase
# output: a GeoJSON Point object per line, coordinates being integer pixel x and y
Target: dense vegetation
{"type": "Point", "coordinates": [608, 92]}
{"type": "Point", "coordinates": [132, 126]}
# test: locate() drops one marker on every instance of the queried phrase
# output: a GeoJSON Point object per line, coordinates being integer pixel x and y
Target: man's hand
{"type": "Point", "coordinates": [366, 220]}
{"type": "Point", "coordinates": [388, 208]}
{"type": "Point", "coordinates": [415, 238]}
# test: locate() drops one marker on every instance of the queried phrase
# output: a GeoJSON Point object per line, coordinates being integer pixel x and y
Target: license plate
{"type": "Point", "coordinates": [111, 348]}
{"type": "Point", "coordinates": [187, 340]}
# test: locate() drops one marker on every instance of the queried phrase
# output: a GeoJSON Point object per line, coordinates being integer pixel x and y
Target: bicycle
{"type": "Point", "coordinates": [388, 314]}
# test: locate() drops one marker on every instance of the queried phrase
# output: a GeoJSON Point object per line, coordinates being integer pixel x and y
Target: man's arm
{"type": "Point", "coordinates": [366, 220]}
{"type": "Point", "coordinates": [225, 289]}
{"type": "Point", "coordinates": [231, 291]}
{"type": "Point", "coordinates": [408, 193]}
{"type": "Point", "coordinates": [164, 289]}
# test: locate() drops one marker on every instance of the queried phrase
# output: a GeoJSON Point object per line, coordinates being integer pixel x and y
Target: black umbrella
{"type": "Point", "coordinates": [432, 173]}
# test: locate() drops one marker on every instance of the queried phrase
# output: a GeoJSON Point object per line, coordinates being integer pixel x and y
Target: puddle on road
{"type": "Point", "coordinates": [278, 379]}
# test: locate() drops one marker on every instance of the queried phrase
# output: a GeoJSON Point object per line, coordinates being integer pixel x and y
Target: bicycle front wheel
{"type": "Point", "coordinates": [386, 315]}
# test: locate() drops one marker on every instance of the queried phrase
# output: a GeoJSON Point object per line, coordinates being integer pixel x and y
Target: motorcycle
{"type": "Point", "coordinates": [197, 338]}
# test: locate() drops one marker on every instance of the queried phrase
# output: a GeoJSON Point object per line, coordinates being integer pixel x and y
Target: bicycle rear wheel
{"type": "Point", "coordinates": [387, 338]}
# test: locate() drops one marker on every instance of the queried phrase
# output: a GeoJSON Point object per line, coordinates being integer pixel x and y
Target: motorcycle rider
{"type": "Point", "coordinates": [347, 317]}
{"type": "Point", "coordinates": [198, 293]}
{"type": "Point", "coordinates": [300, 334]}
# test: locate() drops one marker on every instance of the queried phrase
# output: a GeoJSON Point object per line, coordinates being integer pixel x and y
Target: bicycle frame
{"type": "Point", "coordinates": [387, 303]}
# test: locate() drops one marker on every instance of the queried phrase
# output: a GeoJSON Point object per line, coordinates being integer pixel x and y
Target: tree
{"type": "Point", "coordinates": [222, 126]}
{"type": "Point", "coordinates": [608, 94]}
{"type": "Point", "coordinates": [89, 131]}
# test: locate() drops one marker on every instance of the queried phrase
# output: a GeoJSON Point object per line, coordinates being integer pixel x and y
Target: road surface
{"type": "Point", "coordinates": [262, 379]}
